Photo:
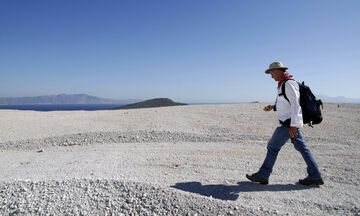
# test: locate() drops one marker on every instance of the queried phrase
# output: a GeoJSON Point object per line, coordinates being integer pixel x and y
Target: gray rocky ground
{"type": "Point", "coordinates": [188, 160]}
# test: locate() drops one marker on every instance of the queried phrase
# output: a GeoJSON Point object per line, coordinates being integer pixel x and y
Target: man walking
{"type": "Point", "coordinates": [290, 117]}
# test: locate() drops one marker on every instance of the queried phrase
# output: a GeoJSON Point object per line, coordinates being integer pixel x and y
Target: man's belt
{"type": "Point", "coordinates": [285, 123]}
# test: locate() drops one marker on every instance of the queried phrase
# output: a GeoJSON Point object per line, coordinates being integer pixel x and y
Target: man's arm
{"type": "Point", "coordinates": [293, 94]}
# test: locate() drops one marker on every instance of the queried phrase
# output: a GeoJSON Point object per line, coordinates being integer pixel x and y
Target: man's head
{"type": "Point", "coordinates": [277, 74]}
{"type": "Point", "coordinates": [277, 70]}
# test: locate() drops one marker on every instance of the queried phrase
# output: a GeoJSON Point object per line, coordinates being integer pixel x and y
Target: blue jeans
{"type": "Point", "coordinates": [279, 138]}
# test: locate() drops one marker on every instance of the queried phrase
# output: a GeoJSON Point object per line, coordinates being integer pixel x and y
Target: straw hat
{"type": "Point", "coordinates": [275, 65]}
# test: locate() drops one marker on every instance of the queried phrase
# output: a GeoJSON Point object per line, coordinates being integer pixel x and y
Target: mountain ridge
{"type": "Point", "coordinates": [338, 99]}
{"type": "Point", "coordinates": [63, 99]}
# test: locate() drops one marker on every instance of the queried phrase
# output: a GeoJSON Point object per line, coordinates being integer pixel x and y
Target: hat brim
{"type": "Point", "coordinates": [268, 70]}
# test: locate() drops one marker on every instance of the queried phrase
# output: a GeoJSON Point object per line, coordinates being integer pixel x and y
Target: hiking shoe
{"type": "Point", "coordinates": [256, 178]}
{"type": "Point", "coordinates": [310, 181]}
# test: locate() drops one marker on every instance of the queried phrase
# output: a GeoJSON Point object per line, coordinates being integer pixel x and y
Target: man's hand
{"type": "Point", "coordinates": [268, 108]}
{"type": "Point", "coordinates": [293, 132]}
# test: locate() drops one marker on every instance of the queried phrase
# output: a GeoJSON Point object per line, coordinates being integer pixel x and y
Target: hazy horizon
{"type": "Point", "coordinates": [211, 51]}
{"type": "Point", "coordinates": [324, 98]}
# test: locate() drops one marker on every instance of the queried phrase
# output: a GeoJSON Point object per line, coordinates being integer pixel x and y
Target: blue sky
{"type": "Point", "coordinates": [187, 50]}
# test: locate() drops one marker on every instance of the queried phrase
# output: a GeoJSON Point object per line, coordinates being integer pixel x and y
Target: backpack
{"type": "Point", "coordinates": [309, 104]}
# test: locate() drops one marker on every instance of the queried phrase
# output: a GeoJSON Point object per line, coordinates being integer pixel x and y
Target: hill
{"type": "Point", "coordinates": [157, 102]}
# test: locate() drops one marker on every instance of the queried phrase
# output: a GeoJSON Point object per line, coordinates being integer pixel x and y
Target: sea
{"type": "Point", "coordinates": [60, 107]}
{"type": "Point", "coordinates": [69, 107]}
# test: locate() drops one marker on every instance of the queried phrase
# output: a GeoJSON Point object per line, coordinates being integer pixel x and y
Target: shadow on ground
{"type": "Point", "coordinates": [231, 192]}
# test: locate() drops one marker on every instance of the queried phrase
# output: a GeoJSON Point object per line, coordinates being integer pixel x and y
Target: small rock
{"type": "Point", "coordinates": [17, 211]}
{"type": "Point", "coordinates": [41, 150]}
{"type": "Point", "coordinates": [23, 189]}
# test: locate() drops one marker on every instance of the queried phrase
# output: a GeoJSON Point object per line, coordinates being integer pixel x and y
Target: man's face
{"type": "Point", "coordinates": [276, 74]}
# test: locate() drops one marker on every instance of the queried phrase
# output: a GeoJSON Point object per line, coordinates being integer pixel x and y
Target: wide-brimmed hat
{"type": "Point", "coordinates": [275, 65]}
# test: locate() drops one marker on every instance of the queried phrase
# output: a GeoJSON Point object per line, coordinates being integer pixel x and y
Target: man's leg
{"type": "Point", "coordinates": [278, 139]}
{"type": "Point", "coordinates": [312, 167]}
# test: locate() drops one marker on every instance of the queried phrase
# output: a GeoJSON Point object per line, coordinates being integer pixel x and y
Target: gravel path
{"type": "Point", "coordinates": [172, 161]}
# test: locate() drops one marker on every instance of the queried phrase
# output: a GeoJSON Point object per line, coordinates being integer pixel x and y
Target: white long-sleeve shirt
{"type": "Point", "coordinates": [292, 110]}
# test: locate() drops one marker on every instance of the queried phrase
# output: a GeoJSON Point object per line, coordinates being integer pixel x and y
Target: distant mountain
{"type": "Point", "coordinates": [339, 99]}
{"type": "Point", "coordinates": [157, 102]}
{"type": "Point", "coordinates": [62, 99]}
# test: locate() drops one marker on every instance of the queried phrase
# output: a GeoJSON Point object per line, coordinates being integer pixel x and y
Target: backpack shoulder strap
{"type": "Point", "coordinates": [283, 90]}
